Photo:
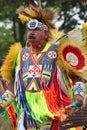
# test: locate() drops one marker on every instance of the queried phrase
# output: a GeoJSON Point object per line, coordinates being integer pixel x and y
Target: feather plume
{"type": "Point", "coordinates": [32, 2]}
{"type": "Point", "coordinates": [46, 15]}
{"type": "Point", "coordinates": [7, 67]}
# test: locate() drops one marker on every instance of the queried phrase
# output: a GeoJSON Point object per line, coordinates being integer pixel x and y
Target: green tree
{"type": "Point", "coordinates": [68, 11]}
{"type": "Point", "coordinates": [11, 30]}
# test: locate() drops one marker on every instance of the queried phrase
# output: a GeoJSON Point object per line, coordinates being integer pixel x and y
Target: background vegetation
{"type": "Point", "coordinates": [11, 30]}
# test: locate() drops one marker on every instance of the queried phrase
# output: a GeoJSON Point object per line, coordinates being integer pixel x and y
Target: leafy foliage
{"type": "Point", "coordinates": [5, 40]}
{"type": "Point", "coordinates": [69, 10]}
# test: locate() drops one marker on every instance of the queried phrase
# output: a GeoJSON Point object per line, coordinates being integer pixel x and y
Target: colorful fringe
{"type": "Point", "coordinates": [40, 111]}
{"type": "Point", "coordinates": [11, 114]}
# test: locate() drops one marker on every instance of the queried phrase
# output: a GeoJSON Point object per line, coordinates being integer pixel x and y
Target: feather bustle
{"type": "Point", "coordinates": [65, 65]}
{"type": "Point", "coordinates": [6, 69]}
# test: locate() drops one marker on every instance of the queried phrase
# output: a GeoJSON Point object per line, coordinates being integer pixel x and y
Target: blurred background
{"type": "Point", "coordinates": [72, 14]}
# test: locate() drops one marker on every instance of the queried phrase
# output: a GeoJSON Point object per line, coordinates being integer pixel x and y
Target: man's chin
{"type": "Point", "coordinates": [33, 42]}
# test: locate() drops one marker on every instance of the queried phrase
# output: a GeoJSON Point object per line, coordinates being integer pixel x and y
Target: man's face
{"type": "Point", "coordinates": [37, 33]}
{"type": "Point", "coordinates": [37, 36]}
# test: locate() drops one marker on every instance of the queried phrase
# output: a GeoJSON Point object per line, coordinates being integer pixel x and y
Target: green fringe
{"type": "Point", "coordinates": [37, 103]}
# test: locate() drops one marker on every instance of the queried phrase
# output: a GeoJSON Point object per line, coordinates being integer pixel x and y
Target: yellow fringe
{"type": "Point", "coordinates": [85, 31]}
{"type": "Point", "coordinates": [7, 67]}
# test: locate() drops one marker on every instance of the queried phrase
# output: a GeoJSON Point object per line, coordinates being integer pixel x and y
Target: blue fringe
{"type": "Point", "coordinates": [27, 111]}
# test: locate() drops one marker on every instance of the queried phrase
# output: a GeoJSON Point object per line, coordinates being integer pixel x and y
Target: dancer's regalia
{"type": "Point", "coordinates": [40, 91]}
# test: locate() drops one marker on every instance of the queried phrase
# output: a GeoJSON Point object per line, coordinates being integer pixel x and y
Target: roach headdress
{"type": "Point", "coordinates": [45, 15]}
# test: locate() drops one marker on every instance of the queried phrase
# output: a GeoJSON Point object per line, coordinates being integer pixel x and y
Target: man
{"type": "Point", "coordinates": [39, 89]}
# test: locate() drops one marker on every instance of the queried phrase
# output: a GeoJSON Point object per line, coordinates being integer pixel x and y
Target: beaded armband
{"type": "Point", "coordinates": [6, 98]}
{"type": "Point", "coordinates": [79, 88]}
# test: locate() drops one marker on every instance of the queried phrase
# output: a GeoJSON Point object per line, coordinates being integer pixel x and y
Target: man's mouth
{"type": "Point", "coordinates": [31, 37]}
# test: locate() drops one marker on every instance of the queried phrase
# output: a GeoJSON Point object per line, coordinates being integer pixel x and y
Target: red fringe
{"type": "Point", "coordinates": [55, 97]}
{"type": "Point", "coordinates": [12, 116]}
{"type": "Point", "coordinates": [55, 125]}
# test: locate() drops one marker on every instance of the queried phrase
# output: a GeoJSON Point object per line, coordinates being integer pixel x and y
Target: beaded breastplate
{"type": "Point", "coordinates": [36, 74]}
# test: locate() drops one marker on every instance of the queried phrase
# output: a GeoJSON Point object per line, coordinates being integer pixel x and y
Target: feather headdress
{"type": "Point", "coordinates": [45, 15]}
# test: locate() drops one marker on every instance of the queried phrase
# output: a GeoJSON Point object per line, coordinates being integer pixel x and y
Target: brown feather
{"type": "Point", "coordinates": [47, 15]}
{"type": "Point", "coordinates": [32, 2]}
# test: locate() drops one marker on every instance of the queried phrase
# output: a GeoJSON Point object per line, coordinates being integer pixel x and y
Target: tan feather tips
{"type": "Point", "coordinates": [7, 67]}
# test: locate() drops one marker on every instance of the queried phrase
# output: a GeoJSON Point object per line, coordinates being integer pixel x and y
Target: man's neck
{"type": "Point", "coordinates": [38, 48]}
